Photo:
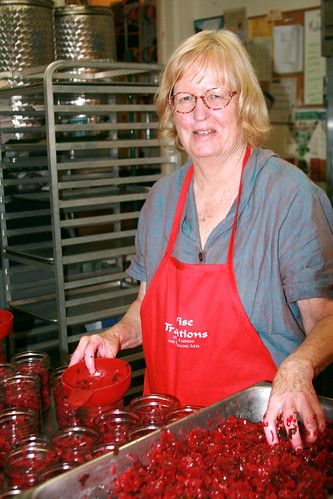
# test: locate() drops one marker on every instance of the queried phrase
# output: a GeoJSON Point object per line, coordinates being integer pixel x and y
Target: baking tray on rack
{"type": "Point", "coordinates": [93, 479]}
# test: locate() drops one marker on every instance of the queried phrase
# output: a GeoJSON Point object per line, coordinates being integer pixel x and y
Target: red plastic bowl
{"type": "Point", "coordinates": [84, 389]}
{"type": "Point", "coordinates": [6, 323]}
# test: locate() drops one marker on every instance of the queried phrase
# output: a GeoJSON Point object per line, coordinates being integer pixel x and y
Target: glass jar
{"type": "Point", "coordinates": [114, 426]}
{"type": "Point", "coordinates": [55, 470]}
{"type": "Point", "coordinates": [3, 483]}
{"type": "Point", "coordinates": [2, 397]}
{"type": "Point", "coordinates": [40, 440]}
{"type": "Point", "coordinates": [154, 407]}
{"type": "Point", "coordinates": [66, 415]}
{"type": "Point", "coordinates": [2, 350]}
{"type": "Point", "coordinates": [24, 464]}
{"type": "Point", "coordinates": [16, 424]}
{"type": "Point", "coordinates": [74, 444]}
{"type": "Point", "coordinates": [6, 325]}
{"type": "Point", "coordinates": [22, 391]}
{"type": "Point", "coordinates": [141, 431]}
{"type": "Point", "coordinates": [181, 413]}
{"type": "Point", "coordinates": [89, 414]}
{"type": "Point", "coordinates": [11, 492]}
{"type": "Point", "coordinates": [101, 449]}
{"type": "Point", "coordinates": [6, 369]}
{"type": "Point", "coordinates": [37, 363]}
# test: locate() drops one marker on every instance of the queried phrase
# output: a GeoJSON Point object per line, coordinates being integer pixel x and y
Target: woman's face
{"type": "Point", "coordinates": [206, 133]}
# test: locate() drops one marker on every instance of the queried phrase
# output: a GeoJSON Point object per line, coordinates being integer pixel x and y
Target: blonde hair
{"type": "Point", "coordinates": [224, 52]}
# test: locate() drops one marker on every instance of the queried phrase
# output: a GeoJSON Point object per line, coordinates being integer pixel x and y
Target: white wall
{"type": "Point", "coordinates": [175, 17]}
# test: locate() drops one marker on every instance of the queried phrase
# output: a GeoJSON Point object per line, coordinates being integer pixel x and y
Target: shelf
{"type": "Point", "coordinates": [79, 155]}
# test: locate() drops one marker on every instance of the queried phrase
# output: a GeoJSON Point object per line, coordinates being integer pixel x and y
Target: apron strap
{"type": "Point", "coordinates": [179, 211]}
{"type": "Point", "coordinates": [181, 204]}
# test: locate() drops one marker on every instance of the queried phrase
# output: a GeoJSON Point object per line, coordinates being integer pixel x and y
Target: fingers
{"type": "Point", "coordinates": [283, 420]}
{"type": "Point", "coordinates": [292, 429]}
{"type": "Point", "coordinates": [270, 430]}
{"type": "Point", "coordinates": [286, 412]}
{"type": "Point", "coordinates": [88, 347]}
{"type": "Point", "coordinates": [314, 422]}
{"type": "Point", "coordinates": [96, 345]}
{"type": "Point", "coordinates": [79, 352]}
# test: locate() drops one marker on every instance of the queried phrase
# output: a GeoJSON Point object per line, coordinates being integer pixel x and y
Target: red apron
{"type": "Point", "coordinates": [199, 344]}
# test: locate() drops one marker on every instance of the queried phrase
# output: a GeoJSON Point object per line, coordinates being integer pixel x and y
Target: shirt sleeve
{"type": "Point", "coordinates": [137, 267]}
{"type": "Point", "coordinates": [306, 245]}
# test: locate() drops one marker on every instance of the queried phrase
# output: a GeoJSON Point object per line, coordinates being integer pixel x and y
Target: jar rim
{"type": "Point", "coordinates": [30, 356]}
{"type": "Point", "coordinates": [17, 411]}
{"type": "Point", "coordinates": [154, 399]}
{"type": "Point", "coordinates": [72, 431]}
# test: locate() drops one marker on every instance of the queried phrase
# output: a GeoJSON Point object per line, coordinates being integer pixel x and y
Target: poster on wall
{"type": "Point", "coordinates": [314, 64]}
{"type": "Point", "coordinates": [288, 48]}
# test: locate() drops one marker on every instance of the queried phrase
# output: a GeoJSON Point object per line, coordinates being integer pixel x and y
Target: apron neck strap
{"type": "Point", "coordinates": [179, 210]}
{"type": "Point", "coordinates": [181, 204]}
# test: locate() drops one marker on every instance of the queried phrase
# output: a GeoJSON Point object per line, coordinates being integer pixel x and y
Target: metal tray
{"type": "Point", "coordinates": [92, 480]}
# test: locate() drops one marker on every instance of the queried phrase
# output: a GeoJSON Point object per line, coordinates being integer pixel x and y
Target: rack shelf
{"type": "Point", "coordinates": [79, 153]}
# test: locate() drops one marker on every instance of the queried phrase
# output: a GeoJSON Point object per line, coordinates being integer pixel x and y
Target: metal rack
{"type": "Point", "coordinates": [79, 154]}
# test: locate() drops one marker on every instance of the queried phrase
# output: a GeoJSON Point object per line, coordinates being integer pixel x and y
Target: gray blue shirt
{"type": "Point", "coordinates": [283, 248]}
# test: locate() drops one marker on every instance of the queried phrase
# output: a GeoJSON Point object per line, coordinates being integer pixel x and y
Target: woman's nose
{"type": "Point", "coordinates": [200, 111]}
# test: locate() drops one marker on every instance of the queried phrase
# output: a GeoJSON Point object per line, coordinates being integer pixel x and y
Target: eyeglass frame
{"type": "Point", "coordinates": [231, 94]}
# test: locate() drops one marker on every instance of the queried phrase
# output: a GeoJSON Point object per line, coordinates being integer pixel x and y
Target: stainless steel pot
{"type": "Point", "coordinates": [26, 34]}
{"type": "Point", "coordinates": [84, 32]}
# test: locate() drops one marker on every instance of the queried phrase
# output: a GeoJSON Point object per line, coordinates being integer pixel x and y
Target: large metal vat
{"type": "Point", "coordinates": [92, 480]}
{"type": "Point", "coordinates": [26, 34]}
{"type": "Point", "coordinates": [84, 32]}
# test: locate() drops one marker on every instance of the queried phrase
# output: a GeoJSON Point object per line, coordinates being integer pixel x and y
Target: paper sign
{"type": "Point", "coordinates": [314, 64]}
{"type": "Point", "coordinates": [288, 48]}
{"type": "Point", "coordinates": [284, 93]}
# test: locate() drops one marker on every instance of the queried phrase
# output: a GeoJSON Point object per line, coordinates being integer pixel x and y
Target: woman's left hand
{"type": "Point", "coordinates": [292, 399]}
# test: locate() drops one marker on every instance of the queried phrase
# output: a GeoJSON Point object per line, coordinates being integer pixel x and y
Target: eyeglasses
{"type": "Point", "coordinates": [214, 98]}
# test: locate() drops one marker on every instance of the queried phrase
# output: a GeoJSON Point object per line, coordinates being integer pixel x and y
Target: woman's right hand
{"type": "Point", "coordinates": [125, 334]}
{"type": "Point", "coordinates": [106, 344]}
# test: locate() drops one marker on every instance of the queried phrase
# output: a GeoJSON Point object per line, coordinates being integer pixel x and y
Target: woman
{"type": "Point", "coordinates": [234, 251]}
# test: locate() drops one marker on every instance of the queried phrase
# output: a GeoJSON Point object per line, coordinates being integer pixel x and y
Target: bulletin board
{"type": "Point", "coordinates": [261, 28]}
{"type": "Point", "coordinates": [295, 84]}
